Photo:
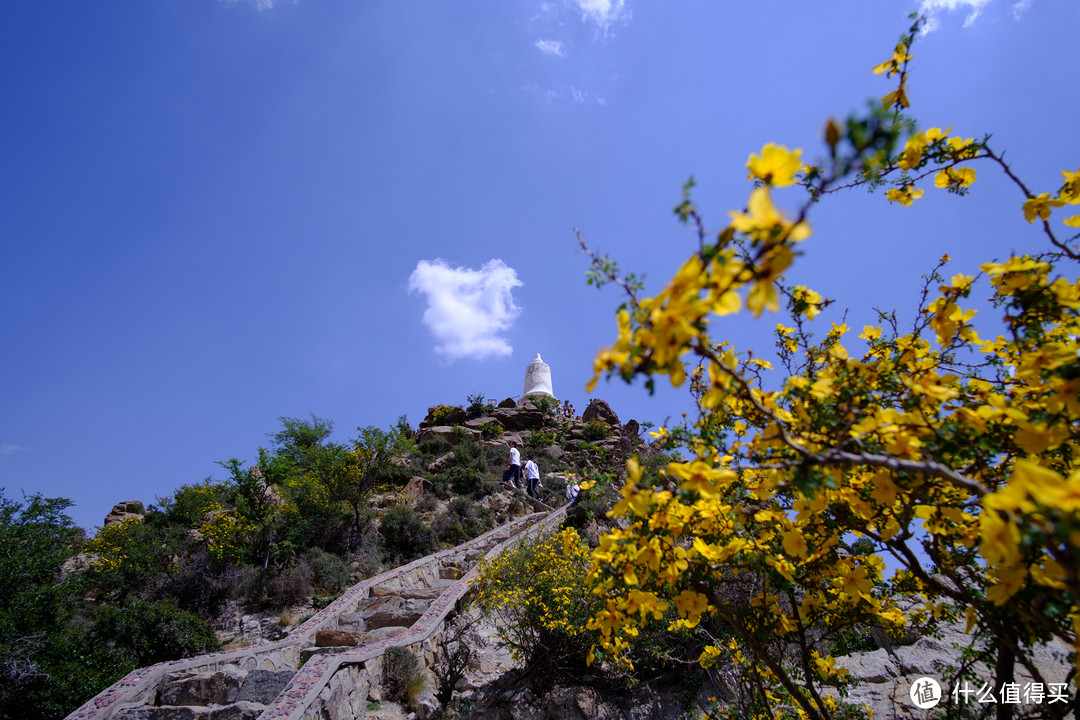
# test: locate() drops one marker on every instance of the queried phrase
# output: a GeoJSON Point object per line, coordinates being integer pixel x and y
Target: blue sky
{"type": "Point", "coordinates": [214, 214]}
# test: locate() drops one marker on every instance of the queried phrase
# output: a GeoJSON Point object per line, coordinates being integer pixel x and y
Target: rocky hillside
{"type": "Point", "coordinates": [241, 560]}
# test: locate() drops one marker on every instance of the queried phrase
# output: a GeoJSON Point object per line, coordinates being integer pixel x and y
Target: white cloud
{"type": "Point", "coordinates": [468, 310]}
{"type": "Point", "coordinates": [9, 448]}
{"type": "Point", "coordinates": [1019, 8]}
{"type": "Point", "coordinates": [550, 47]}
{"type": "Point", "coordinates": [933, 8]}
{"type": "Point", "coordinates": [260, 5]}
{"type": "Point", "coordinates": [604, 13]}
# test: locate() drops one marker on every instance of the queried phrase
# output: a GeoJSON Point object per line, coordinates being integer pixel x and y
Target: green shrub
{"type": "Point", "coordinates": [289, 586]}
{"type": "Point", "coordinates": [404, 536]}
{"type": "Point", "coordinates": [449, 529]}
{"type": "Point", "coordinates": [470, 455]}
{"type": "Point", "coordinates": [198, 584]}
{"type": "Point", "coordinates": [853, 639]}
{"type": "Point", "coordinates": [540, 439]}
{"type": "Point", "coordinates": [433, 447]}
{"type": "Point", "coordinates": [189, 503]}
{"type": "Point", "coordinates": [463, 480]}
{"type": "Point", "coordinates": [463, 520]}
{"type": "Point", "coordinates": [310, 518]}
{"type": "Point", "coordinates": [549, 406]}
{"type": "Point", "coordinates": [477, 407]}
{"type": "Point", "coordinates": [140, 633]}
{"type": "Point", "coordinates": [405, 678]}
{"type": "Point", "coordinates": [427, 503]}
{"type": "Point", "coordinates": [491, 430]}
{"type": "Point", "coordinates": [330, 573]}
{"type": "Point", "coordinates": [596, 430]}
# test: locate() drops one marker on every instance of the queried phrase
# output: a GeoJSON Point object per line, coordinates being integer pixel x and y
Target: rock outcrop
{"type": "Point", "coordinates": [125, 510]}
{"type": "Point", "coordinates": [600, 410]}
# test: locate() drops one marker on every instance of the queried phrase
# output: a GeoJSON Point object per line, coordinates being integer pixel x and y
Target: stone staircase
{"type": "Point", "coordinates": [326, 668]}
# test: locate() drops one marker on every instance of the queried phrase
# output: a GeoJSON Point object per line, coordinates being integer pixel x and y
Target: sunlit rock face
{"type": "Point", "coordinates": [538, 378]}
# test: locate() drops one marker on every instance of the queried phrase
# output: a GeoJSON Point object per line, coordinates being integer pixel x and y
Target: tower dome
{"type": "Point", "coordinates": [538, 378]}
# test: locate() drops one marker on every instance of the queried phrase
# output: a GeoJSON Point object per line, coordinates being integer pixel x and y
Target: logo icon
{"type": "Point", "coordinates": [925, 693]}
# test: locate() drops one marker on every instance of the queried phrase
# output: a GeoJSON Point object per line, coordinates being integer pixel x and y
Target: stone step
{"type": "Point", "coordinates": [421, 593]}
{"type": "Point", "coordinates": [377, 612]}
{"type": "Point", "coordinates": [241, 710]}
{"type": "Point", "coordinates": [222, 688]}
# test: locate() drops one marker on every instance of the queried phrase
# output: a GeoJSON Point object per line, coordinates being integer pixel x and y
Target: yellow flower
{"type": "Point", "coordinates": [960, 177]}
{"type": "Point", "coordinates": [764, 222]}
{"type": "Point", "coordinates": [1040, 206]}
{"type": "Point", "coordinates": [1070, 192]}
{"type": "Point", "coordinates": [892, 65]}
{"type": "Point", "coordinates": [897, 97]}
{"type": "Point", "coordinates": [905, 195]}
{"type": "Point", "coordinates": [795, 544]}
{"type": "Point", "coordinates": [811, 298]}
{"type": "Point", "coordinates": [776, 166]}
{"type": "Point", "coordinates": [854, 583]}
{"type": "Point", "coordinates": [701, 477]}
{"type": "Point", "coordinates": [691, 605]}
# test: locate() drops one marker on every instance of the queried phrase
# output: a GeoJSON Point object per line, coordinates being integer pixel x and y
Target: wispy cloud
{"type": "Point", "coordinates": [934, 8]}
{"type": "Point", "coordinates": [1019, 8]}
{"type": "Point", "coordinates": [9, 448]}
{"type": "Point", "coordinates": [550, 47]}
{"type": "Point", "coordinates": [563, 93]}
{"type": "Point", "coordinates": [605, 14]}
{"type": "Point", "coordinates": [468, 310]}
{"type": "Point", "coordinates": [260, 5]}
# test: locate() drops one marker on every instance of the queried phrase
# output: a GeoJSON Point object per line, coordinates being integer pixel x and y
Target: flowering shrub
{"type": "Point", "coordinates": [440, 413]}
{"type": "Point", "coordinates": [190, 503]}
{"type": "Point", "coordinates": [227, 535]}
{"type": "Point", "coordinates": [127, 554]}
{"type": "Point", "coordinates": [952, 454]}
{"type": "Point", "coordinates": [537, 596]}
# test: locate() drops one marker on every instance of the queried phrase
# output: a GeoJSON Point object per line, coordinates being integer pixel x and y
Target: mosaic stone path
{"type": "Point", "coordinates": [135, 696]}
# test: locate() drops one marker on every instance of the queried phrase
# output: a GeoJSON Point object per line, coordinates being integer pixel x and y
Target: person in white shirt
{"type": "Point", "coordinates": [572, 490]}
{"type": "Point", "coordinates": [532, 477]}
{"type": "Point", "coordinates": [513, 470]}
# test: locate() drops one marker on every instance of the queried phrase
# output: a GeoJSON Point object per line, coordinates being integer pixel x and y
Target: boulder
{"type": "Point", "coordinates": [235, 711]}
{"type": "Point", "coordinates": [387, 611]}
{"type": "Point", "coordinates": [508, 403]}
{"type": "Point", "coordinates": [422, 593]}
{"type": "Point", "coordinates": [202, 688]}
{"type": "Point", "coordinates": [414, 489]}
{"type": "Point", "coordinates": [479, 423]}
{"type": "Point", "coordinates": [631, 429]}
{"type": "Point", "coordinates": [338, 638]}
{"type": "Point", "coordinates": [600, 410]}
{"type": "Point", "coordinates": [456, 416]}
{"type": "Point", "coordinates": [385, 632]}
{"type": "Point", "coordinates": [78, 564]}
{"type": "Point", "coordinates": [448, 433]}
{"type": "Point", "coordinates": [519, 419]}
{"type": "Point", "coordinates": [263, 686]}
{"type": "Point", "coordinates": [555, 452]}
{"type": "Point", "coordinates": [351, 621]}
{"type": "Point", "coordinates": [441, 463]}
{"type": "Point", "coordinates": [426, 705]}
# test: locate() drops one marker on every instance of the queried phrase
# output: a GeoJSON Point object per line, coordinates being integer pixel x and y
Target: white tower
{"type": "Point", "coordinates": [538, 378]}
